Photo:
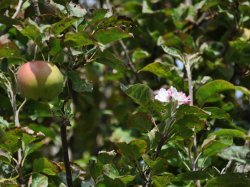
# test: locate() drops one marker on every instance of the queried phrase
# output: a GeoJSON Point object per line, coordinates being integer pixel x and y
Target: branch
{"type": "Point", "coordinates": [65, 123]}
{"type": "Point", "coordinates": [129, 61]}
{"type": "Point", "coordinates": [18, 8]}
{"type": "Point", "coordinates": [37, 10]}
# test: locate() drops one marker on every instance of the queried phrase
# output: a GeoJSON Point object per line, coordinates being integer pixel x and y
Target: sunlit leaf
{"type": "Point", "coordinates": [79, 39]}
{"type": "Point", "coordinates": [39, 180]}
{"type": "Point", "coordinates": [173, 52]}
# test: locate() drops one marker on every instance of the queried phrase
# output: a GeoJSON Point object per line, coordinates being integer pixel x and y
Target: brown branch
{"type": "Point", "coordinates": [37, 10]}
{"type": "Point", "coordinates": [65, 123]}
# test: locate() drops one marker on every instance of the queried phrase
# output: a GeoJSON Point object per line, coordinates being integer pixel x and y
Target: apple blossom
{"type": "Point", "coordinates": [172, 94]}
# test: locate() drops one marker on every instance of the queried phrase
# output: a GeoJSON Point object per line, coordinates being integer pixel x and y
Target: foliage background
{"type": "Point", "coordinates": [112, 54]}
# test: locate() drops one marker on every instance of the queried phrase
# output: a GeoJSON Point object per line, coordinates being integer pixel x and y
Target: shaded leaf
{"type": "Point", "coordinates": [108, 35]}
{"type": "Point", "coordinates": [229, 180]}
{"type": "Point", "coordinates": [79, 84]}
{"type": "Point", "coordinates": [140, 93]}
{"type": "Point", "coordinates": [8, 21]}
{"type": "Point", "coordinates": [162, 180]}
{"type": "Point", "coordinates": [196, 175]}
{"type": "Point", "coordinates": [133, 150]}
{"type": "Point", "coordinates": [141, 121]}
{"type": "Point", "coordinates": [6, 3]}
{"type": "Point", "coordinates": [192, 110]}
{"type": "Point", "coordinates": [109, 59]}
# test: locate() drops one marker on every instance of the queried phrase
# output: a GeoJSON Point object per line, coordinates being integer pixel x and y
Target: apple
{"type": "Point", "coordinates": [39, 80]}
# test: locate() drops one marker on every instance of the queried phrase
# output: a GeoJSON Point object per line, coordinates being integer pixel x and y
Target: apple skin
{"type": "Point", "coordinates": [39, 80]}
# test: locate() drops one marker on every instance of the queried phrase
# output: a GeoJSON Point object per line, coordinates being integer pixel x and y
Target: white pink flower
{"type": "Point", "coordinates": [172, 94]}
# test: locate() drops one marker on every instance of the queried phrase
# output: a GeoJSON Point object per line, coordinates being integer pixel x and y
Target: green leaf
{"type": "Point", "coordinates": [141, 121]}
{"type": "Point", "coordinates": [140, 93]}
{"type": "Point", "coordinates": [106, 156]}
{"type": "Point", "coordinates": [162, 180]}
{"type": "Point", "coordinates": [195, 175]}
{"type": "Point", "coordinates": [112, 34]}
{"type": "Point", "coordinates": [188, 122]}
{"type": "Point", "coordinates": [5, 158]}
{"type": "Point", "coordinates": [243, 90]}
{"type": "Point", "coordinates": [230, 133]}
{"type": "Point", "coordinates": [166, 71]}
{"type": "Point", "coordinates": [109, 59]}
{"type": "Point", "coordinates": [126, 179]}
{"type": "Point", "coordinates": [76, 10]}
{"type": "Point", "coordinates": [146, 7]}
{"type": "Point", "coordinates": [239, 52]}
{"type": "Point", "coordinates": [210, 89]}
{"type": "Point", "coordinates": [10, 141]}
{"type": "Point", "coordinates": [184, 110]}
{"type": "Point", "coordinates": [45, 166]}
{"type": "Point", "coordinates": [237, 153]}
{"type": "Point", "coordinates": [55, 46]}
{"type": "Point", "coordinates": [32, 31]}
{"type": "Point", "coordinates": [156, 166]}
{"type": "Point", "coordinates": [9, 50]}
{"type": "Point", "coordinates": [121, 135]}
{"type": "Point", "coordinates": [6, 3]}
{"type": "Point", "coordinates": [39, 180]}
{"type": "Point", "coordinates": [3, 122]}
{"type": "Point", "coordinates": [215, 146]}
{"type": "Point", "coordinates": [8, 21]}
{"type": "Point", "coordinates": [110, 171]}
{"type": "Point", "coordinates": [31, 148]}
{"type": "Point", "coordinates": [173, 52]}
{"type": "Point", "coordinates": [60, 26]}
{"type": "Point", "coordinates": [229, 180]}
{"type": "Point", "coordinates": [133, 150]}
{"type": "Point", "coordinates": [79, 39]}
{"type": "Point", "coordinates": [108, 182]}
{"type": "Point", "coordinates": [217, 113]}
{"type": "Point", "coordinates": [79, 84]}
{"type": "Point", "coordinates": [139, 54]}
{"type": "Point", "coordinates": [98, 15]}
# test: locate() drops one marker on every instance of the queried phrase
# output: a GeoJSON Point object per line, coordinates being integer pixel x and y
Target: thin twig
{"type": "Point", "coordinates": [18, 8]}
{"type": "Point", "coordinates": [129, 61]}
{"type": "Point", "coordinates": [12, 92]}
{"type": "Point", "coordinates": [64, 125]}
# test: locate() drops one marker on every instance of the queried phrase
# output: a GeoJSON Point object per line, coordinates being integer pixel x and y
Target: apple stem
{"type": "Point", "coordinates": [65, 123]}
